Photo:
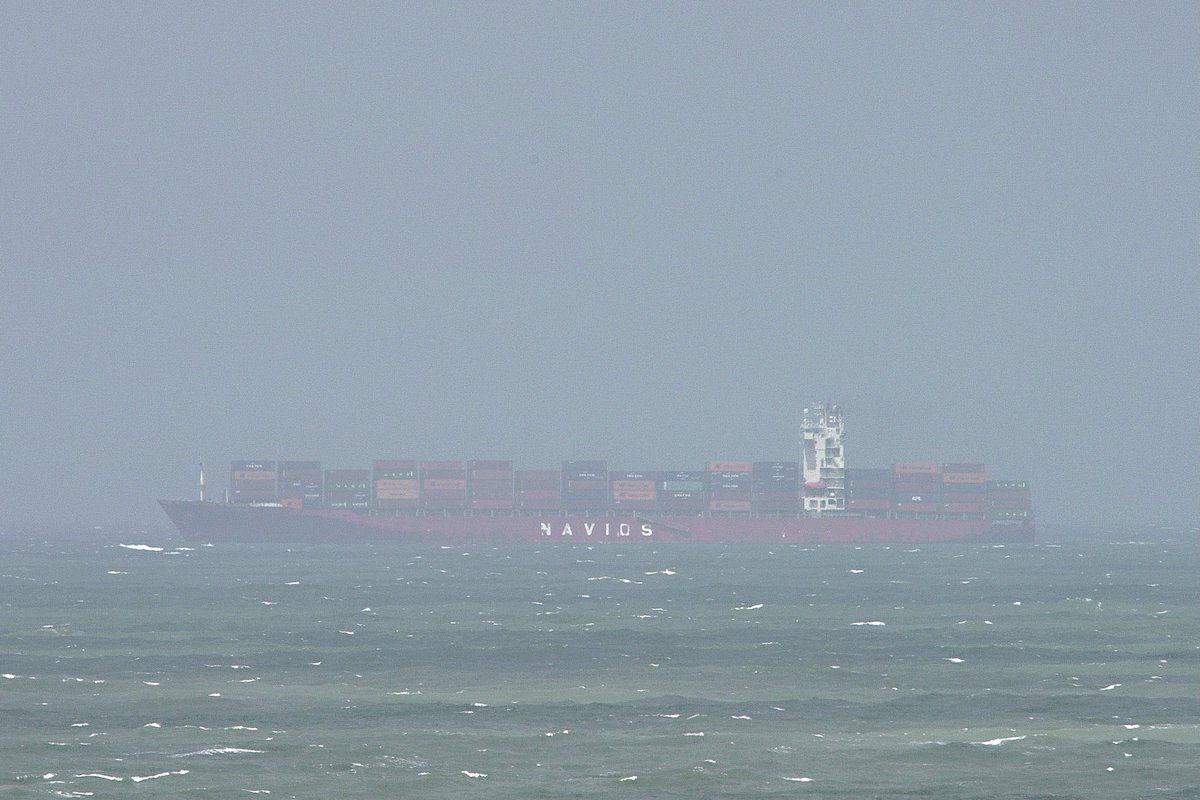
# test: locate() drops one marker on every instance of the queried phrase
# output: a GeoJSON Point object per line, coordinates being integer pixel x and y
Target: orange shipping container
{"type": "Point", "coordinates": [395, 483]}
{"type": "Point", "coordinates": [730, 466]}
{"type": "Point", "coordinates": [396, 494]}
{"type": "Point", "coordinates": [964, 477]}
{"type": "Point", "coordinates": [450, 484]}
{"type": "Point", "coordinates": [920, 468]}
{"type": "Point", "coordinates": [624, 496]}
{"type": "Point", "coordinates": [257, 475]}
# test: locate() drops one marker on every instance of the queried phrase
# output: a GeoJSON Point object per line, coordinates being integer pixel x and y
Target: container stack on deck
{"type": "Point", "coordinates": [776, 487]}
{"type": "Point", "coordinates": [584, 485]}
{"type": "Point", "coordinates": [348, 488]}
{"type": "Point", "coordinates": [730, 486]}
{"type": "Point", "coordinates": [491, 484]}
{"type": "Point", "coordinates": [1009, 500]}
{"type": "Point", "coordinates": [396, 484]}
{"type": "Point", "coordinates": [816, 499]}
{"type": "Point", "coordinates": [918, 490]}
{"type": "Point", "coordinates": [538, 490]}
{"type": "Point", "coordinates": [682, 492]}
{"type": "Point", "coordinates": [964, 489]}
{"type": "Point", "coordinates": [252, 481]}
{"type": "Point", "coordinates": [301, 484]}
{"type": "Point", "coordinates": [868, 490]}
{"type": "Point", "coordinates": [634, 491]}
{"type": "Point", "coordinates": [443, 485]}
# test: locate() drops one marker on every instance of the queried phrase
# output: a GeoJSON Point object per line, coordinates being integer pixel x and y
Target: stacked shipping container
{"type": "Point", "coordinates": [443, 485]}
{"type": "Point", "coordinates": [348, 488]}
{"type": "Point", "coordinates": [1009, 500]}
{"type": "Point", "coordinates": [584, 485]}
{"type": "Point", "coordinates": [252, 481]}
{"type": "Point", "coordinates": [776, 486]}
{"type": "Point", "coordinates": [770, 487]}
{"type": "Point", "coordinates": [730, 486]}
{"type": "Point", "coordinates": [682, 492]}
{"type": "Point", "coordinates": [916, 488]}
{"type": "Point", "coordinates": [301, 484]}
{"type": "Point", "coordinates": [868, 489]}
{"type": "Point", "coordinates": [964, 489]}
{"type": "Point", "coordinates": [491, 484]}
{"type": "Point", "coordinates": [396, 484]}
{"type": "Point", "coordinates": [635, 491]}
{"type": "Point", "coordinates": [538, 489]}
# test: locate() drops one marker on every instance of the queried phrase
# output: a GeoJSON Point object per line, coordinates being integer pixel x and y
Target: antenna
{"type": "Point", "coordinates": [201, 481]}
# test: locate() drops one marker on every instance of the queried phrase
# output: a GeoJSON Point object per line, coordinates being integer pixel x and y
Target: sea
{"type": "Point", "coordinates": [133, 665]}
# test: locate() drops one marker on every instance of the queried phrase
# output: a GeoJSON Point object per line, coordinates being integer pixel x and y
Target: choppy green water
{"type": "Point", "coordinates": [690, 671]}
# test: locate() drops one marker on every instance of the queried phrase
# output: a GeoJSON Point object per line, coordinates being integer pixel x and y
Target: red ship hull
{"type": "Point", "coordinates": [211, 522]}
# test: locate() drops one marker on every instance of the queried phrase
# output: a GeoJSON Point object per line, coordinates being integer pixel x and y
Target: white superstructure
{"type": "Point", "coordinates": [823, 459]}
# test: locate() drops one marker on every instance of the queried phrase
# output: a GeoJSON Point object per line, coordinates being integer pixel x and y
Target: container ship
{"type": "Point", "coordinates": [812, 500]}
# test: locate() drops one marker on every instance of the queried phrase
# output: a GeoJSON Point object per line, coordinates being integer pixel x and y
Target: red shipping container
{"type": "Point", "coordinates": [868, 505]}
{"type": "Point", "coordinates": [493, 504]}
{"type": "Point", "coordinates": [396, 505]}
{"type": "Point", "coordinates": [917, 508]}
{"type": "Point", "coordinates": [491, 475]}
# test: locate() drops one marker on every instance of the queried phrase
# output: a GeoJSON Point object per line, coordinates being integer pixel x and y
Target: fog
{"type": "Point", "coordinates": [648, 233]}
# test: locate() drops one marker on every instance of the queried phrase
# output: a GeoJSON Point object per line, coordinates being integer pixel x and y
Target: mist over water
{"type": "Point", "coordinates": [1057, 670]}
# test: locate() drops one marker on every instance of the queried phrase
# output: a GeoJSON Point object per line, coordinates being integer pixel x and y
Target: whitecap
{"type": "Point", "coordinates": [953, 660]}
{"type": "Point", "coordinates": [149, 548]}
{"type": "Point", "coordinates": [1000, 741]}
{"type": "Point", "coordinates": [739, 716]}
{"type": "Point", "coordinates": [628, 778]}
{"type": "Point", "coordinates": [1110, 687]}
{"type": "Point", "coordinates": [695, 733]}
{"type": "Point", "coordinates": [140, 778]}
{"type": "Point", "coordinates": [872, 622]}
{"type": "Point", "coordinates": [804, 779]}
{"type": "Point", "coordinates": [857, 571]}
{"type": "Point", "coordinates": [754, 607]}
{"type": "Point", "coordinates": [152, 725]}
{"type": "Point", "coordinates": [100, 775]}
{"type": "Point", "coordinates": [474, 774]}
{"type": "Point", "coordinates": [216, 751]}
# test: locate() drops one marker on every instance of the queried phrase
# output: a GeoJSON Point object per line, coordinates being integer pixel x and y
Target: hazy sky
{"type": "Point", "coordinates": [644, 232]}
